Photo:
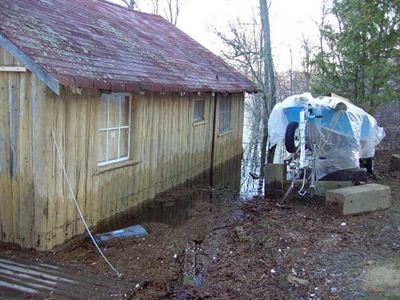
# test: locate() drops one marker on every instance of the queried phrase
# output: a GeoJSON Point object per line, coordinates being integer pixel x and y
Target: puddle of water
{"type": "Point", "coordinates": [173, 211]}
{"type": "Point", "coordinates": [176, 206]}
{"type": "Point", "coordinates": [249, 187]}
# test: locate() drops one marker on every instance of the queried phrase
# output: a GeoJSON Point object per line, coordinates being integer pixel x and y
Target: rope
{"type": "Point", "coordinates": [78, 208]}
{"type": "Point", "coordinates": [321, 147]}
{"type": "Point", "coordinates": [302, 192]}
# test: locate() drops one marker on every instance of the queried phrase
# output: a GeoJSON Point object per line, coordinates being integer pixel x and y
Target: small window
{"type": "Point", "coordinates": [224, 113]}
{"type": "Point", "coordinates": [198, 110]}
{"type": "Point", "coordinates": [115, 128]}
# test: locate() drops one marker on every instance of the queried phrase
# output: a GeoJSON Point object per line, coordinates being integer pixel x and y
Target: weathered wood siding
{"type": "Point", "coordinates": [17, 99]}
{"type": "Point", "coordinates": [229, 144]}
{"type": "Point", "coordinates": [167, 150]}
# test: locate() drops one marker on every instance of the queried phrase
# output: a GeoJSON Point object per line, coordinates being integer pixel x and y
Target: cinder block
{"type": "Point", "coordinates": [395, 162]}
{"type": "Point", "coordinates": [275, 173]}
{"type": "Point", "coordinates": [275, 180]}
{"type": "Point", "coordinates": [322, 186]}
{"type": "Point", "coordinates": [358, 199]}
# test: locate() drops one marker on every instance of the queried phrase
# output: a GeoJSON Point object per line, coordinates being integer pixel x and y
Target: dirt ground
{"type": "Point", "coordinates": [226, 248]}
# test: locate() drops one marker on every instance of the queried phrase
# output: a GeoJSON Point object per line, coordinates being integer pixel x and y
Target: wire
{"type": "Point", "coordinates": [78, 208]}
{"type": "Point", "coordinates": [301, 192]}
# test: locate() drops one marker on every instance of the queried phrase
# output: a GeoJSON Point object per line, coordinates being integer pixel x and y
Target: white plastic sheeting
{"type": "Point", "coordinates": [342, 137]}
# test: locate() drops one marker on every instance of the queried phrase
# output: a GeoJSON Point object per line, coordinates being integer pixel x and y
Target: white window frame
{"type": "Point", "coordinates": [106, 97]}
{"type": "Point", "coordinates": [229, 97]}
{"type": "Point", "coordinates": [204, 110]}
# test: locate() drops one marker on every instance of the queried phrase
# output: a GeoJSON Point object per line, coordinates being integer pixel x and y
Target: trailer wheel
{"type": "Point", "coordinates": [292, 138]}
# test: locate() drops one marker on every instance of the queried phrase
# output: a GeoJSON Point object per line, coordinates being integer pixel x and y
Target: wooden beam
{"type": "Point", "coordinates": [34, 67]}
{"type": "Point", "coordinates": [12, 69]}
{"type": "Point", "coordinates": [358, 199]}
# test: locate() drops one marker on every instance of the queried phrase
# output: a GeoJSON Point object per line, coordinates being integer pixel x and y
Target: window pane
{"type": "Point", "coordinates": [224, 113]}
{"type": "Point", "coordinates": [114, 140]}
{"type": "Point", "coordinates": [222, 106]}
{"type": "Point", "coordinates": [198, 110]}
{"type": "Point", "coordinates": [123, 143]}
{"type": "Point", "coordinates": [103, 146]}
{"type": "Point", "coordinates": [113, 106]}
{"type": "Point", "coordinates": [112, 144]}
{"type": "Point", "coordinates": [125, 111]}
{"type": "Point", "coordinates": [224, 122]}
{"type": "Point", "coordinates": [103, 112]}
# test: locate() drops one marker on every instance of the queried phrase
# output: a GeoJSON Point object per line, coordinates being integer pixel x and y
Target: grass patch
{"type": "Point", "coordinates": [392, 297]}
{"type": "Point", "coordinates": [394, 212]}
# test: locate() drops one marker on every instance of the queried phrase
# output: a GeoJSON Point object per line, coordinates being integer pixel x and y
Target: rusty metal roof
{"type": "Point", "coordinates": [101, 45]}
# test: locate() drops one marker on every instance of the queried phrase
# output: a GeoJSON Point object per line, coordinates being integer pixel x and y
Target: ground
{"type": "Point", "coordinates": [217, 245]}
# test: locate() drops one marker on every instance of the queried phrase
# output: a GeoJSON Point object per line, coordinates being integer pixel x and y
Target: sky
{"type": "Point", "coordinates": [290, 20]}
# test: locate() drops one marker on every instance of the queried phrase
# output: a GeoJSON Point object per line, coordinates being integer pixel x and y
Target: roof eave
{"type": "Point", "coordinates": [30, 64]}
{"type": "Point", "coordinates": [124, 86]}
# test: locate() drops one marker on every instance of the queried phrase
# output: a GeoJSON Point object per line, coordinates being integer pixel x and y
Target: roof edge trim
{"type": "Point", "coordinates": [30, 64]}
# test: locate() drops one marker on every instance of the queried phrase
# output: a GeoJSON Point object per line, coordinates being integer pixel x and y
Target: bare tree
{"type": "Point", "coordinates": [307, 54]}
{"type": "Point", "coordinates": [244, 43]}
{"type": "Point", "coordinates": [321, 25]}
{"type": "Point", "coordinates": [291, 72]}
{"type": "Point", "coordinates": [131, 4]}
{"type": "Point", "coordinates": [171, 12]}
{"type": "Point", "coordinates": [155, 4]}
{"type": "Point", "coordinates": [244, 46]}
{"type": "Point", "coordinates": [250, 50]}
{"type": "Point", "coordinates": [291, 82]}
{"type": "Point", "coordinates": [170, 9]}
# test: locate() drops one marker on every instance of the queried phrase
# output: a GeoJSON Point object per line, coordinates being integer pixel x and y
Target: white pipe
{"type": "Point", "coordinates": [302, 130]}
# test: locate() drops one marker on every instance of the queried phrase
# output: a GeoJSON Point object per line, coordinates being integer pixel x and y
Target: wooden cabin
{"type": "Point", "coordinates": [135, 105]}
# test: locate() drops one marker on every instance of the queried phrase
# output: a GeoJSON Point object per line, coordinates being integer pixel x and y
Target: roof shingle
{"type": "Point", "coordinates": [97, 44]}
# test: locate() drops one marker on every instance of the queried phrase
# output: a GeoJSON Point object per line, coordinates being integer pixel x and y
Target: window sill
{"type": "Point", "coordinates": [198, 123]}
{"type": "Point", "coordinates": [224, 133]}
{"type": "Point", "coordinates": [117, 165]}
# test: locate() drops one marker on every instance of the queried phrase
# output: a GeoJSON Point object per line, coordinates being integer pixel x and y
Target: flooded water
{"type": "Point", "coordinates": [250, 165]}
{"type": "Point", "coordinates": [176, 206]}
{"type": "Point", "coordinates": [168, 208]}
{"type": "Point", "coordinates": [175, 209]}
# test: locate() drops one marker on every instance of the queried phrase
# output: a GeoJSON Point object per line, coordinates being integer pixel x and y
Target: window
{"type": "Point", "coordinates": [198, 110]}
{"type": "Point", "coordinates": [115, 128]}
{"type": "Point", "coordinates": [224, 113]}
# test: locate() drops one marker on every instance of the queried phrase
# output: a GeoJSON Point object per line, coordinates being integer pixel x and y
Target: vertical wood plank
{"type": "Point", "coordinates": [25, 164]}
{"type": "Point", "coordinates": [171, 150]}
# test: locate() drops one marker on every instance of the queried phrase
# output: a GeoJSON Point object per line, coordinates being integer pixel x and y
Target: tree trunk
{"type": "Point", "coordinates": [269, 84]}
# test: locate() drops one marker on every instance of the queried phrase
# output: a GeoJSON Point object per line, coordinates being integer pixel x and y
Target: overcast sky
{"type": "Point", "coordinates": [290, 20]}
